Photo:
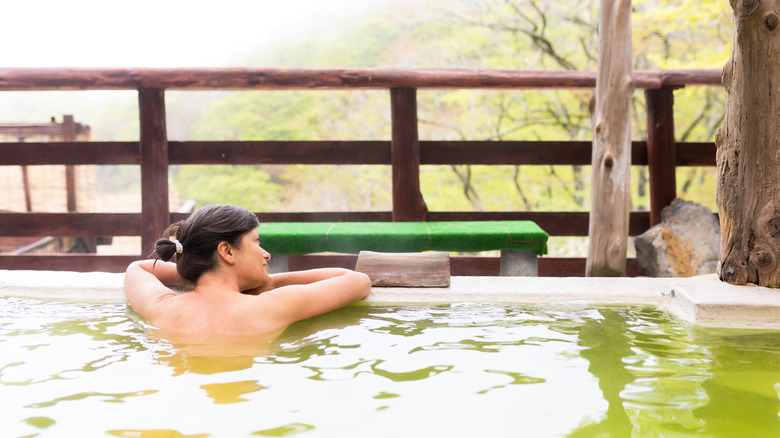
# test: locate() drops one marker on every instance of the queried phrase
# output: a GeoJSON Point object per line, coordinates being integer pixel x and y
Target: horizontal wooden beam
{"type": "Point", "coordinates": [69, 153]}
{"type": "Point", "coordinates": [128, 224]}
{"type": "Point", "coordinates": [695, 154]}
{"type": "Point", "coordinates": [575, 267]}
{"type": "Point", "coordinates": [555, 223]}
{"type": "Point", "coordinates": [52, 129]}
{"type": "Point", "coordinates": [70, 224]}
{"type": "Point", "coordinates": [279, 152]}
{"type": "Point", "coordinates": [315, 216]}
{"type": "Point", "coordinates": [336, 152]}
{"type": "Point", "coordinates": [518, 152]}
{"type": "Point", "coordinates": [682, 78]}
{"type": "Point", "coordinates": [505, 152]}
{"type": "Point", "coordinates": [327, 78]}
{"type": "Point", "coordinates": [68, 262]}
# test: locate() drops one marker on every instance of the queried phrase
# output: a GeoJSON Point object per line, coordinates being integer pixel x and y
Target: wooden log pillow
{"type": "Point", "coordinates": [422, 269]}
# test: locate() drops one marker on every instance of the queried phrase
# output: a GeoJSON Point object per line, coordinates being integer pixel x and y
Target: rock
{"type": "Point", "coordinates": [684, 244]}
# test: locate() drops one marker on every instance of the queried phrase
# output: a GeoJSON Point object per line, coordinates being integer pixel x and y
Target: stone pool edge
{"type": "Point", "coordinates": [703, 300]}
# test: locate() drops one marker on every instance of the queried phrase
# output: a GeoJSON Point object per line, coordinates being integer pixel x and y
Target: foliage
{"type": "Point", "coordinates": [261, 115]}
{"type": "Point", "coordinates": [221, 184]}
{"type": "Point", "coordinates": [504, 34]}
{"type": "Point", "coordinates": [336, 188]}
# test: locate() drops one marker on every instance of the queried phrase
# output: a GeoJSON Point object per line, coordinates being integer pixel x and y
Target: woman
{"type": "Point", "coordinates": [217, 249]}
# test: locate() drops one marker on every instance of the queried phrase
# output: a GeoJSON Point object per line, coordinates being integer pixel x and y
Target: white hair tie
{"type": "Point", "coordinates": [179, 247]}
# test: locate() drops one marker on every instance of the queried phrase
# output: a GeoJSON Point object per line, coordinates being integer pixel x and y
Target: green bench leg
{"type": "Point", "coordinates": [519, 263]}
{"type": "Point", "coordinates": [278, 264]}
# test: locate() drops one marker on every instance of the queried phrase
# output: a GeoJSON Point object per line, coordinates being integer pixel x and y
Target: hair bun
{"type": "Point", "coordinates": [165, 249]}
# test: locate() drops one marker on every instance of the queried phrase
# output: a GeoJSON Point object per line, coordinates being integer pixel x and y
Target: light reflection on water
{"type": "Point", "coordinates": [454, 370]}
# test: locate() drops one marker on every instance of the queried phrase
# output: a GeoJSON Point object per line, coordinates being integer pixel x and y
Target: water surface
{"type": "Point", "coordinates": [381, 371]}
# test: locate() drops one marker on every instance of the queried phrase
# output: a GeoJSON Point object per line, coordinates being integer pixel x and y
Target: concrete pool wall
{"type": "Point", "coordinates": [701, 300]}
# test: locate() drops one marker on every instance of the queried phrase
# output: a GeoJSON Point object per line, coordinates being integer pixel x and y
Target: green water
{"type": "Point", "coordinates": [382, 371]}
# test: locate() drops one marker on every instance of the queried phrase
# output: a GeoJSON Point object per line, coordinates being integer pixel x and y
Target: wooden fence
{"type": "Point", "coordinates": [404, 152]}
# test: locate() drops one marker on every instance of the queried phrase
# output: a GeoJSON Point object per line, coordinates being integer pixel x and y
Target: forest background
{"type": "Point", "coordinates": [490, 34]}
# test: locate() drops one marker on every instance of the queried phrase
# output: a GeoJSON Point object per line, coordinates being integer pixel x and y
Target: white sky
{"type": "Point", "coordinates": [158, 33]}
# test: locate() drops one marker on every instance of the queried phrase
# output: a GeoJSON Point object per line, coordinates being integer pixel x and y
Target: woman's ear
{"type": "Point", "coordinates": [225, 251]}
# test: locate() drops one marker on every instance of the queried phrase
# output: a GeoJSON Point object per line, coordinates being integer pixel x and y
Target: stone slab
{"type": "Point", "coordinates": [706, 300]}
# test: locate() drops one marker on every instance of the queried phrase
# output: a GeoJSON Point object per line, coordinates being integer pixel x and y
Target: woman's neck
{"type": "Point", "coordinates": [217, 283]}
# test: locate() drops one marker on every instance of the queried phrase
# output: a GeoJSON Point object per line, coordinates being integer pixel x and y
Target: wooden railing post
{"type": "Point", "coordinates": [155, 216]}
{"type": "Point", "coordinates": [408, 202]}
{"type": "Point", "coordinates": [661, 150]}
{"type": "Point", "coordinates": [69, 134]}
{"type": "Point", "coordinates": [26, 184]}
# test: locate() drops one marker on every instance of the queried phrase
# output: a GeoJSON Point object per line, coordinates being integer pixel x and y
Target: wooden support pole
{"type": "Point", "coordinates": [26, 183]}
{"type": "Point", "coordinates": [661, 150]}
{"type": "Point", "coordinates": [611, 159]}
{"type": "Point", "coordinates": [408, 202]}
{"type": "Point", "coordinates": [69, 134]}
{"type": "Point", "coordinates": [155, 216]}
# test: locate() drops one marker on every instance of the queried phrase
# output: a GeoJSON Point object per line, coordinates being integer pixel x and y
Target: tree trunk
{"type": "Point", "coordinates": [611, 160]}
{"type": "Point", "coordinates": [748, 154]}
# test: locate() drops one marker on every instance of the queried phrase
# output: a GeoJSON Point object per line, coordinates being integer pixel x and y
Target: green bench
{"type": "Point", "coordinates": [520, 242]}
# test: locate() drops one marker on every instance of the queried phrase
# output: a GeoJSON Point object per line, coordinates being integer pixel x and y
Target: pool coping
{"type": "Point", "coordinates": [702, 300]}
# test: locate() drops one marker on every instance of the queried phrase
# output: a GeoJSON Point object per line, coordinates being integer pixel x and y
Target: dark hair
{"type": "Point", "coordinates": [199, 236]}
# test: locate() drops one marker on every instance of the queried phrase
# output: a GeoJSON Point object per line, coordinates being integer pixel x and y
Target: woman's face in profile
{"type": "Point", "coordinates": [252, 260]}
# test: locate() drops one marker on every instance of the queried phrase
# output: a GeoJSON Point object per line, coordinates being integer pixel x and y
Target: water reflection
{"type": "Point", "coordinates": [743, 389]}
{"type": "Point", "coordinates": [106, 397]}
{"type": "Point", "coordinates": [231, 392]}
{"type": "Point", "coordinates": [650, 372]}
{"type": "Point", "coordinates": [606, 346]}
{"type": "Point", "coordinates": [315, 337]}
{"type": "Point", "coordinates": [286, 430]}
{"type": "Point", "coordinates": [661, 378]}
{"type": "Point", "coordinates": [669, 369]}
{"type": "Point", "coordinates": [210, 354]}
{"type": "Point", "coordinates": [418, 374]}
{"type": "Point", "coordinates": [154, 433]}
{"type": "Point", "coordinates": [33, 332]}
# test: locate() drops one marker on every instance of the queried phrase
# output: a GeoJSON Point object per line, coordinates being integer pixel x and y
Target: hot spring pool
{"type": "Point", "coordinates": [369, 370]}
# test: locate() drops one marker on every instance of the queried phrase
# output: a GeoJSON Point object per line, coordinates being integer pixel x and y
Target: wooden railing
{"type": "Point", "coordinates": [404, 152]}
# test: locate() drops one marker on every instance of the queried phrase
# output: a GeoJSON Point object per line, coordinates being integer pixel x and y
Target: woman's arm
{"type": "Point", "coordinates": [298, 277]}
{"type": "Point", "coordinates": [148, 282]}
{"type": "Point", "coordinates": [305, 294]}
